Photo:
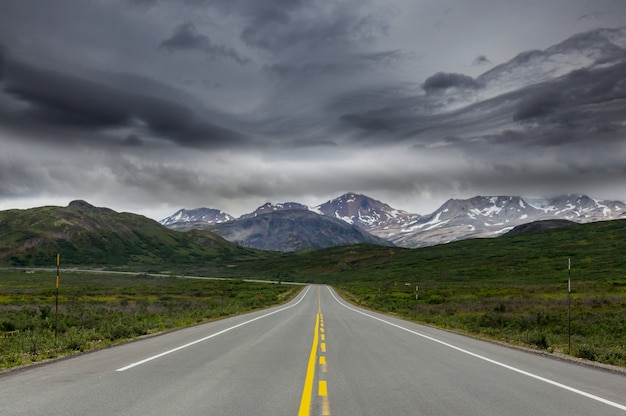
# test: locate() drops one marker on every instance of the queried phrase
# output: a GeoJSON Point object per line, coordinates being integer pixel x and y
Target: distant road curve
{"type": "Point", "coordinates": [100, 271]}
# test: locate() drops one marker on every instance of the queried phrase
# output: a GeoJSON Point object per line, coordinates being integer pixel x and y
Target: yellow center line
{"type": "Point", "coordinates": [305, 402]}
{"type": "Point", "coordinates": [323, 393]}
{"type": "Point", "coordinates": [322, 387]}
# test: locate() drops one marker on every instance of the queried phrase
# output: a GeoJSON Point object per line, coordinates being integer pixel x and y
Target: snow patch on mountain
{"type": "Point", "coordinates": [184, 217]}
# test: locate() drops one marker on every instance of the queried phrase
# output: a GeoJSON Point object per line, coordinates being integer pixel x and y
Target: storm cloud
{"type": "Point", "coordinates": [156, 105]}
{"type": "Point", "coordinates": [72, 102]}
{"type": "Point", "coordinates": [275, 25]}
{"type": "Point", "coordinates": [443, 81]}
{"type": "Point", "coordinates": [186, 37]}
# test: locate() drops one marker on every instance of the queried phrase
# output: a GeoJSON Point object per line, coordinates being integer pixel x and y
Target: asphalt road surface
{"type": "Point", "coordinates": [316, 355]}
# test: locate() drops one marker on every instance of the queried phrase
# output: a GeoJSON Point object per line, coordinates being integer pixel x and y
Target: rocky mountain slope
{"type": "Point", "coordinates": [294, 230]}
{"type": "Point", "coordinates": [268, 207]}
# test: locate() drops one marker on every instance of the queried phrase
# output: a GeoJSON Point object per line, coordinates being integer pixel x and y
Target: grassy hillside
{"type": "Point", "coordinates": [594, 248]}
{"type": "Point", "coordinates": [86, 235]}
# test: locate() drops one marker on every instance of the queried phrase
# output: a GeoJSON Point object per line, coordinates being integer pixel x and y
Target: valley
{"type": "Point", "coordinates": [511, 288]}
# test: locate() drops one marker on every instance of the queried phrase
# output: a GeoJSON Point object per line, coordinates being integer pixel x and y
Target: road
{"type": "Point", "coordinates": [316, 355]}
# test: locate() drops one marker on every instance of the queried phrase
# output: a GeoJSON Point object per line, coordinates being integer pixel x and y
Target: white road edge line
{"type": "Point", "coordinates": [517, 370]}
{"type": "Point", "coordinates": [154, 357]}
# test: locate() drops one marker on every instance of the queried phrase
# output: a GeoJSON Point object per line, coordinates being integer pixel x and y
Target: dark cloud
{"type": "Point", "coordinates": [374, 121]}
{"type": "Point", "coordinates": [18, 179]}
{"type": "Point", "coordinates": [72, 102]}
{"type": "Point", "coordinates": [573, 121]}
{"type": "Point", "coordinates": [581, 99]}
{"type": "Point", "coordinates": [64, 99]}
{"type": "Point", "coordinates": [481, 60]}
{"type": "Point", "coordinates": [301, 71]}
{"type": "Point", "coordinates": [591, 15]}
{"type": "Point", "coordinates": [132, 140]}
{"type": "Point", "coordinates": [379, 115]}
{"type": "Point", "coordinates": [2, 59]}
{"type": "Point", "coordinates": [276, 25]}
{"type": "Point", "coordinates": [538, 105]}
{"type": "Point", "coordinates": [443, 80]}
{"type": "Point", "coordinates": [338, 66]}
{"type": "Point", "coordinates": [142, 4]}
{"type": "Point", "coordinates": [387, 57]}
{"type": "Point", "coordinates": [187, 37]}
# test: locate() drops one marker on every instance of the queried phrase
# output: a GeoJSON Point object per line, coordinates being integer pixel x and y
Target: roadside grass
{"type": "Point", "coordinates": [530, 318]}
{"type": "Point", "coordinates": [98, 310]}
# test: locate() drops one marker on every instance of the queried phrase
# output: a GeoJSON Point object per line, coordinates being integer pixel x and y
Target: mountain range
{"type": "Point", "coordinates": [273, 226]}
{"type": "Point", "coordinates": [100, 236]}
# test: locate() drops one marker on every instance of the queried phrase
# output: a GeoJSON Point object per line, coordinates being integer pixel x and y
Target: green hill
{"type": "Point", "coordinates": [595, 248]}
{"type": "Point", "coordinates": [87, 235]}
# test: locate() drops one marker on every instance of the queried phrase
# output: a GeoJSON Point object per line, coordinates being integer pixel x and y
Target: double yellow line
{"type": "Point", "coordinates": [322, 389]}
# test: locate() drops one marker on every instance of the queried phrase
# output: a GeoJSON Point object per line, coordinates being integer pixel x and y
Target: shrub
{"type": "Point", "coordinates": [586, 352]}
{"type": "Point", "coordinates": [492, 320]}
{"type": "Point", "coordinates": [537, 339]}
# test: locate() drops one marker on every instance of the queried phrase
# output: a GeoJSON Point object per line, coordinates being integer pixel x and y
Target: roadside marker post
{"type": "Point", "coordinates": [56, 308]}
{"type": "Point", "coordinates": [569, 305]}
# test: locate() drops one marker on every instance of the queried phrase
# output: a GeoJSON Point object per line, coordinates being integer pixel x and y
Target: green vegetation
{"type": "Point", "coordinates": [97, 310]}
{"type": "Point", "coordinates": [511, 289]}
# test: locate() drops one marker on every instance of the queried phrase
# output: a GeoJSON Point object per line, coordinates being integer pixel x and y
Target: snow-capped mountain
{"type": "Point", "coordinates": [187, 218]}
{"type": "Point", "coordinates": [491, 216]}
{"type": "Point", "coordinates": [364, 212]}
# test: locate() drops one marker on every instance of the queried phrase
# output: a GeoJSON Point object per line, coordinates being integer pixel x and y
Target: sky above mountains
{"type": "Point", "coordinates": [150, 106]}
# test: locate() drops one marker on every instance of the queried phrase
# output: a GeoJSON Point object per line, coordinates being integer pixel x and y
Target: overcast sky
{"type": "Point", "coordinates": [150, 106]}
